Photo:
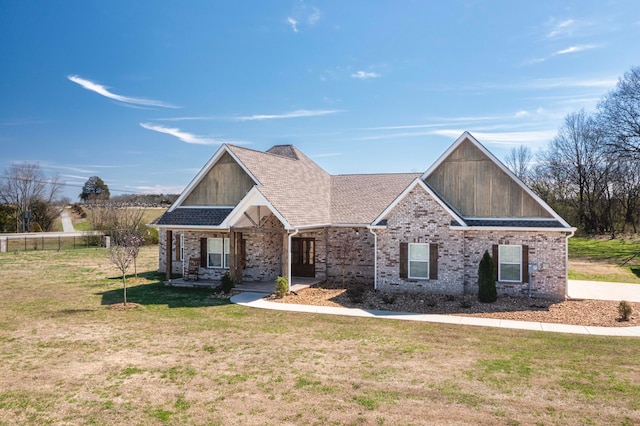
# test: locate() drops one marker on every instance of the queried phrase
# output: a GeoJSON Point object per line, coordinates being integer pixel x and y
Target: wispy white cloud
{"type": "Point", "coordinates": [303, 15]}
{"type": "Point", "coordinates": [314, 16]}
{"type": "Point", "coordinates": [553, 83]}
{"type": "Point", "coordinates": [293, 114]}
{"type": "Point", "coordinates": [364, 75]}
{"type": "Point", "coordinates": [159, 189]}
{"type": "Point", "coordinates": [183, 136]}
{"type": "Point", "coordinates": [504, 138]}
{"type": "Point", "coordinates": [575, 49]}
{"type": "Point", "coordinates": [128, 100]}
{"type": "Point", "coordinates": [562, 28]}
{"type": "Point", "coordinates": [293, 23]}
{"type": "Point", "coordinates": [328, 154]}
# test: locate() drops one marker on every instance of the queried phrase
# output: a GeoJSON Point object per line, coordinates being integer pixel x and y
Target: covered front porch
{"type": "Point", "coordinates": [266, 287]}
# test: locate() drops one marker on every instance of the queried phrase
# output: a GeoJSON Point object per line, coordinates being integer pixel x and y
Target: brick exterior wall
{"type": "Point", "coordinates": [351, 249]}
{"type": "Point", "coordinates": [418, 218]}
{"type": "Point", "coordinates": [549, 248]}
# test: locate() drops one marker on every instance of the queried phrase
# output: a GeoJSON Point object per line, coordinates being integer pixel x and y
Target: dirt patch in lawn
{"type": "Point", "coordinates": [577, 312]}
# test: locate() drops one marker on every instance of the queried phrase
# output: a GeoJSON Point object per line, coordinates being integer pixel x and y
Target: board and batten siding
{"type": "Point", "coordinates": [476, 187]}
{"type": "Point", "coordinates": [224, 185]}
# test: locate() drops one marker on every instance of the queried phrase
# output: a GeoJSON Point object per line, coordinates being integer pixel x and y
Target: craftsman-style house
{"type": "Point", "coordinates": [257, 215]}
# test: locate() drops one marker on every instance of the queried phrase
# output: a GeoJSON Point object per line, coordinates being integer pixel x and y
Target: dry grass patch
{"type": "Point", "coordinates": [189, 357]}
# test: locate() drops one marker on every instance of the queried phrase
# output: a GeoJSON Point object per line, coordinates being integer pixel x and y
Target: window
{"type": "Point", "coordinates": [217, 252]}
{"type": "Point", "coordinates": [509, 263]}
{"type": "Point", "coordinates": [419, 261]}
{"type": "Point", "coordinates": [181, 246]}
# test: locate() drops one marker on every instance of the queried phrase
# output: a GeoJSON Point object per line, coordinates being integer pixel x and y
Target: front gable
{"type": "Point", "coordinates": [419, 187]}
{"type": "Point", "coordinates": [224, 185]}
{"type": "Point", "coordinates": [477, 185]}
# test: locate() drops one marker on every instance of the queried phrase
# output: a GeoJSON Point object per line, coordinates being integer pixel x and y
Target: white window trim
{"type": "Point", "coordinates": [509, 263]}
{"type": "Point", "coordinates": [224, 254]}
{"type": "Point", "coordinates": [409, 261]}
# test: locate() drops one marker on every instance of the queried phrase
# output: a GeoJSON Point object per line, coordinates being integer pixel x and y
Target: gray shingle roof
{"type": "Point", "coordinates": [193, 217]}
{"type": "Point", "coordinates": [296, 186]}
{"type": "Point", "coordinates": [362, 198]}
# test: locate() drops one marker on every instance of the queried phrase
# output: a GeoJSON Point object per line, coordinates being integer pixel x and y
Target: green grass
{"type": "Point", "coordinates": [604, 250]}
{"type": "Point", "coordinates": [187, 357]}
{"type": "Point", "coordinates": [606, 260]}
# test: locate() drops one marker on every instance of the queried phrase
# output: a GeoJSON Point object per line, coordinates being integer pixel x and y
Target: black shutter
{"type": "Point", "coordinates": [495, 260]}
{"type": "Point", "coordinates": [203, 252]}
{"type": "Point", "coordinates": [525, 264]}
{"type": "Point", "coordinates": [404, 260]}
{"type": "Point", "coordinates": [178, 246]}
{"type": "Point", "coordinates": [433, 261]}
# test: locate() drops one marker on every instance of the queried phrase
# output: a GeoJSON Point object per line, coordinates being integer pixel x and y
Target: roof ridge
{"type": "Point", "coordinates": [265, 152]}
{"type": "Point", "coordinates": [378, 174]}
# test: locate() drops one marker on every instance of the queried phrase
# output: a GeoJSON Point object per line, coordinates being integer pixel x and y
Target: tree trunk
{"type": "Point", "coordinates": [124, 285]}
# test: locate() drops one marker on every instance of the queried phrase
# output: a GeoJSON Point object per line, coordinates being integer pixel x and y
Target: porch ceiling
{"type": "Point", "coordinates": [252, 216]}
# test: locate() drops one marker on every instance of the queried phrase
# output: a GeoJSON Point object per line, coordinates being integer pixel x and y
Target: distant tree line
{"type": "Point", "coordinates": [590, 171]}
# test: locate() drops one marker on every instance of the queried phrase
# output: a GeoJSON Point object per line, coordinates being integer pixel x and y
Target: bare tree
{"type": "Point", "coordinates": [24, 185]}
{"type": "Point", "coordinates": [519, 162]}
{"type": "Point", "coordinates": [122, 256]}
{"type": "Point", "coordinates": [619, 112]}
{"type": "Point", "coordinates": [576, 157]}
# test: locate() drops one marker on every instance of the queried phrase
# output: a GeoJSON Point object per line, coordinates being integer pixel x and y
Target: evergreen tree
{"type": "Point", "coordinates": [94, 189]}
{"type": "Point", "coordinates": [487, 292]}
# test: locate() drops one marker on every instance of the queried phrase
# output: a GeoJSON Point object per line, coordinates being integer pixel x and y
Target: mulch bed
{"type": "Point", "coordinates": [577, 312]}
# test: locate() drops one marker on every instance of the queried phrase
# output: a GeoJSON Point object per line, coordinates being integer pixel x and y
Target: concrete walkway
{"type": "Point", "coordinates": [67, 225]}
{"type": "Point", "coordinates": [256, 300]}
{"type": "Point", "coordinates": [603, 291]}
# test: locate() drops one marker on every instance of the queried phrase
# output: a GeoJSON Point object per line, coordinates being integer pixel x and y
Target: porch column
{"type": "Point", "coordinates": [233, 261]}
{"type": "Point", "coordinates": [168, 254]}
{"type": "Point", "coordinates": [285, 257]}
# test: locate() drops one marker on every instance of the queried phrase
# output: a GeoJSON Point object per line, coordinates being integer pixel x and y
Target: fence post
{"type": "Point", "coordinates": [58, 243]}
{"type": "Point", "coordinates": [25, 243]}
{"type": "Point", "coordinates": [3, 244]}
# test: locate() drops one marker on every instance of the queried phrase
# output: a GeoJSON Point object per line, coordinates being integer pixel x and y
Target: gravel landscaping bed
{"type": "Point", "coordinates": [578, 312]}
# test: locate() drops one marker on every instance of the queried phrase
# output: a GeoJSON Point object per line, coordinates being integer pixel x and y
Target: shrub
{"type": "Point", "coordinates": [282, 286]}
{"type": "Point", "coordinates": [227, 283]}
{"type": "Point", "coordinates": [356, 294]}
{"type": "Point", "coordinates": [625, 310]}
{"type": "Point", "coordinates": [487, 292]}
{"type": "Point", "coordinates": [389, 299]}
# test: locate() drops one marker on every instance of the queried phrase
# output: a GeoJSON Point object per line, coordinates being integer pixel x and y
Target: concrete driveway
{"type": "Point", "coordinates": [577, 289]}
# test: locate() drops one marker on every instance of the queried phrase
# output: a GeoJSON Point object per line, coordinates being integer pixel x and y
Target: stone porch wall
{"type": "Point", "coordinates": [264, 252]}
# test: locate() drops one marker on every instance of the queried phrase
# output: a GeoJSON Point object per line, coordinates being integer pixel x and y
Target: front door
{"type": "Point", "coordinates": [303, 252]}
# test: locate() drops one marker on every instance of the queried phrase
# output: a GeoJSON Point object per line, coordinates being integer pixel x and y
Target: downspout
{"type": "Point", "coordinates": [289, 276]}
{"type": "Point", "coordinates": [375, 258]}
{"type": "Point", "coordinates": [566, 261]}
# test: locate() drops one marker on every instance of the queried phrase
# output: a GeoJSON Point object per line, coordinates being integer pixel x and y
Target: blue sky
{"type": "Point", "coordinates": [142, 93]}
